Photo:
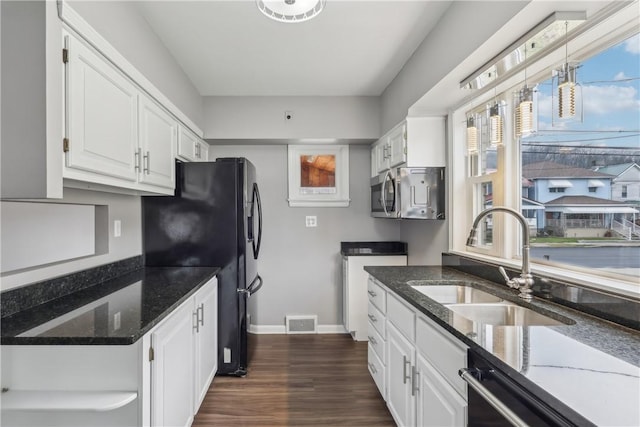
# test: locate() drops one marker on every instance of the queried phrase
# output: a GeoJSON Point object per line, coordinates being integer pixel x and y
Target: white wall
{"type": "Point", "coordinates": [465, 26]}
{"type": "Point", "coordinates": [301, 267]}
{"type": "Point", "coordinates": [122, 25]}
{"type": "Point", "coordinates": [122, 207]}
{"type": "Point", "coordinates": [426, 241]}
{"type": "Point", "coordinates": [236, 118]}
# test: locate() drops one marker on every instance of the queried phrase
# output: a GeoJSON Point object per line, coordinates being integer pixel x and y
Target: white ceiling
{"type": "Point", "coordinates": [353, 48]}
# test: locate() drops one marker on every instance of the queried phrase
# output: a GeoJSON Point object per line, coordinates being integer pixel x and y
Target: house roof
{"type": "Point", "coordinates": [616, 170]}
{"type": "Point", "coordinates": [544, 170]}
{"type": "Point", "coordinates": [583, 200]}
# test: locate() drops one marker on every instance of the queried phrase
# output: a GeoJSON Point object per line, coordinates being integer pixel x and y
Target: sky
{"type": "Point", "coordinates": [610, 89]}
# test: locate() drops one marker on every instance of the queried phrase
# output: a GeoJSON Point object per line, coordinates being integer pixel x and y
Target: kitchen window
{"type": "Point", "coordinates": [578, 230]}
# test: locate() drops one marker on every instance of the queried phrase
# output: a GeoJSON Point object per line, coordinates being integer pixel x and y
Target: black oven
{"type": "Point", "coordinates": [495, 399]}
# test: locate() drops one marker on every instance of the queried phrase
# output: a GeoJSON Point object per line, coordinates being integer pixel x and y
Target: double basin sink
{"type": "Point", "coordinates": [480, 306]}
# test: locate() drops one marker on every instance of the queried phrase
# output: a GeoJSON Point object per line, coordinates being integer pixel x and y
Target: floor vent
{"type": "Point", "coordinates": [306, 324]}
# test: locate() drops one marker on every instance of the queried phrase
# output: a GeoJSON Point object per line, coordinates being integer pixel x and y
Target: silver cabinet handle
{"type": "Point", "coordinates": [196, 322]}
{"type": "Point", "coordinates": [373, 294]}
{"type": "Point", "coordinates": [373, 368]}
{"type": "Point", "coordinates": [201, 315]}
{"type": "Point", "coordinates": [406, 362]}
{"type": "Point", "coordinates": [147, 162]}
{"type": "Point", "coordinates": [491, 398]}
{"type": "Point", "coordinates": [414, 380]}
{"type": "Point", "coordinates": [137, 158]}
{"type": "Point", "coordinates": [372, 318]}
{"type": "Point", "coordinates": [197, 149]}
{"type": "Point", "coordinates": [372, 340]}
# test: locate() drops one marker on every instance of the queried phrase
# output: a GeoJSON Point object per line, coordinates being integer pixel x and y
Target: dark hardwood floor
{"type": "Point", "coordinates": [298, 380]}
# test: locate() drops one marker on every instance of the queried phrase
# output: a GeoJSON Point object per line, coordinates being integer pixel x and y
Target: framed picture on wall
{"type": "Point", "coordinates": [318, 175]}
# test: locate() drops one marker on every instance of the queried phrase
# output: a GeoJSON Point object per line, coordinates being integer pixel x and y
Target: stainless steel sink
{"type": "Point", "coordinates": [452, 294]}
{"type": "Point", "coordinates": [504, 314]}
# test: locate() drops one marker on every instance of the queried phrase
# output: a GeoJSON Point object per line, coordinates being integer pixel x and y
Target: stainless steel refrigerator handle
{"type": "Point", "coordinates": [252, 288]}
{"type": "Point", "coordinates": [491, 398]}
{"type": "Point", "coordinates": [256, 197]}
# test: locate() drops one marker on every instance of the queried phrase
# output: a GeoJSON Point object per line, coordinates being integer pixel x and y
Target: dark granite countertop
{"type": "Point", "coordinates": [373, 248]}
{"type": "Point", "coordinates": [591, 366]}
{"type": "Point", "coordinates": [118, 311]}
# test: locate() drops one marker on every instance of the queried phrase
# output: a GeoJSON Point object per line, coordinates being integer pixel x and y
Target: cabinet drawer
{"type": "Point", "coordinates": [402, 317]}
{"type": "Point", "coordinates": [442, 352]}
{"type": "Point", "coordinates": [376, 369]}
{"type": "Point", "coordinates": [377, 295]}
{"type": "Point", "coordinates": [376, 342]}
{"type": "Point", "coordinates": [376, 318]}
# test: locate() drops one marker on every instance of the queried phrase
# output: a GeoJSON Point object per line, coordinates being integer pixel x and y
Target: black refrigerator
{"type": "Point", "coordinates": [214, 220]}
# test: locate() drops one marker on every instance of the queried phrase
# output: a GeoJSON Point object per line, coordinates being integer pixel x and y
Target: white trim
{"type": "Point", "coordinates": [604, 281]}
{"type": "Point", "coordinates": [85, 31]}
{"type": "Point", "coordinates": [560, 183]}
{"type": "Point", "coordinates": [332, 329]}
{"type": "Point", "coordinates": [280, 329]}
{"type": "Point", "coordinates": [267, 329]}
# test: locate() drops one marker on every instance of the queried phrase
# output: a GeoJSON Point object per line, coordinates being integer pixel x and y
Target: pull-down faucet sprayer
{"type": "Point", "coordinates": [525, 281]}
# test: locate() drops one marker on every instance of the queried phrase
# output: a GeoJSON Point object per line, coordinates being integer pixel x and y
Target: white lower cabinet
{"type": "Point", "coordinates": [400, 362]}
{"type": "Point", "coordinates": [185, 359]}
{"type": "Point", "coordinates": [160, 380]}
{"type": "Point", "coordinates": [438, 404]}
{"type": "Point", "coordinates": [421, 385]}
{"type": "Point", "coordinates": [172, 373]}
{"type": "Point", "coordinates": [206, 342]}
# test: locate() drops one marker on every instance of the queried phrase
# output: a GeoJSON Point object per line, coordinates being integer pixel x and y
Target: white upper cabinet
{"type": "Point", "coordinates": [117, 136]}
{"type": "Point", "coordinates": [158, 139]}
{"type": "Point", "coordinates": [416, 142]}
{"type": "Point", "coordinates": [102, 115]}
{"type": "Point", "coordinates": [190, 147]}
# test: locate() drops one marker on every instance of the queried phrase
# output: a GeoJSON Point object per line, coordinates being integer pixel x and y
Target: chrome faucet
{"type": "Point", "coordinates": [525, 281]}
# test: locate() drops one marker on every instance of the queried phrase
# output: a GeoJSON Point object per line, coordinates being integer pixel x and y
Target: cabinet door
{"type": "Point", "coordinates": [400, 359]}
{"type": "Point", "coordinates": [172, 369]}
{"type": "Point", "coordinates": [206, 340]}
{"type": "Point", "coordinates": [438, 405]}
{"type": "Point", "coordinates": [398, 146]}
{"type": "Point", "coordinates": [382, 155]}
{"type": "Point", "coordinates": [102, 108]}
{"type": "Point", "coordinates": [202, 151]}
{"type": "Point", "coordinates": [187, 144]}
{"type": "Point", "coordinates": [158, 139]}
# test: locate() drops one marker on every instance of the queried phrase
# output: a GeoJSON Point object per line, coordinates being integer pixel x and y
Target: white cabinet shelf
{"type": "Point", "coordinates": [56, 400]}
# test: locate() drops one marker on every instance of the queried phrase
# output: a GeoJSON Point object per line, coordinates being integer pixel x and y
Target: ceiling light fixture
{"type": "Point", "coordinates": [566, 80]}
{"type": "Point", "coordinates": [495, 125]}
{"type": "Point", "coordinates": [524, 117]}
{"type": "Point", "coordinates": [291, 11]}
{"type": "Point", "coordinates": [472, 135]}
{"type": "Point", "coordinates": [545, 35]}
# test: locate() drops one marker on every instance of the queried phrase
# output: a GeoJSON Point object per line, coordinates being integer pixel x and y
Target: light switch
{"type": "Point", "coordinates": [117, 228]}
{"type": "Point", "coordinates": [311, 221]}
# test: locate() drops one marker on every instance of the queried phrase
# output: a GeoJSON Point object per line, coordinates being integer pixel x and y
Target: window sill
{"type": "Point", "coordinates": [629, 289]}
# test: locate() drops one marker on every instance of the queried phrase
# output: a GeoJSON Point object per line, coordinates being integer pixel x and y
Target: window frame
{"type": "Point", "coordinates": [592, 39]}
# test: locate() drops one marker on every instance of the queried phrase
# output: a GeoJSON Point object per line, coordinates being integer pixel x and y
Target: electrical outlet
{"type": "Point", "coordinates": [311, 221]}
{"type": "Point", "coordinates": [117, 228]}
{"type": "Point", "coordinates": [227, 355]}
